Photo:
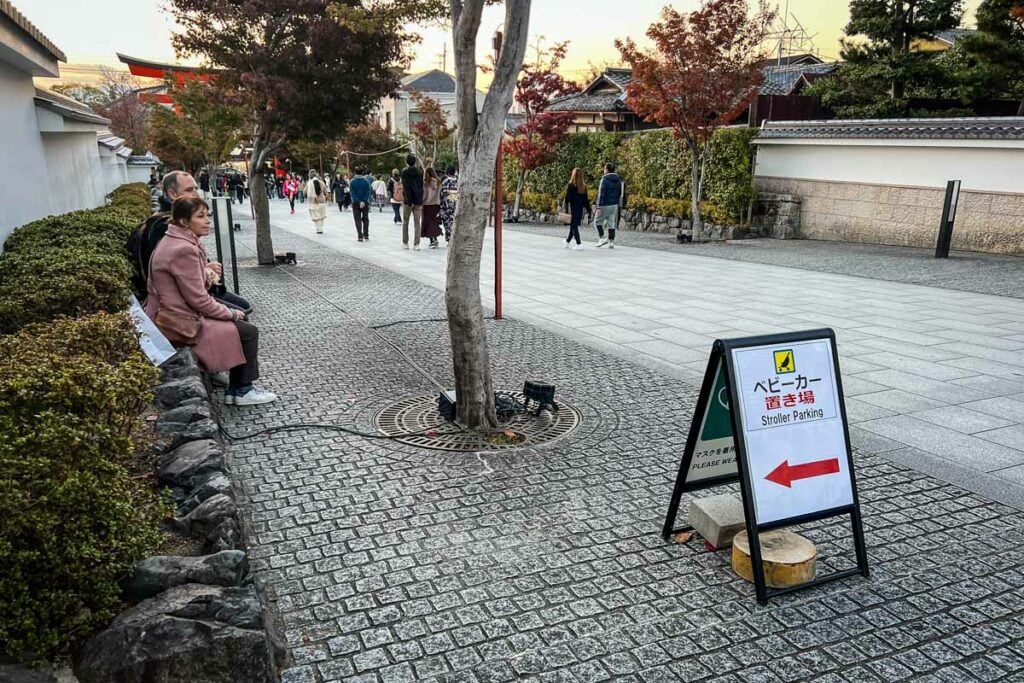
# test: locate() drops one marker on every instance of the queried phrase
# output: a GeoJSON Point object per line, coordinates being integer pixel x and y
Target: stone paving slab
{"type": "Point", "coordinates": [389, 563]}
{"type": "Point", "coordinates": [903, 348]}
{"type": "Point", "coordinates": [963, 270]}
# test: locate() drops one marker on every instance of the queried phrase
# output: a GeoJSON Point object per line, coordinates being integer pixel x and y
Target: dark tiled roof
{"type": "Point", "coordinates": [429, 81]}
{"type": "Point", "coordinates": [11, 12]}
{"type": "Point", "coordinates": [67, 107]}
{"type": "Point", "coordinates": [598, 102]}
{"type": "Point", "coordinates": [786, 60]}
{"type": "Point", "coordinates": [951, 35]}
{"type": "Point", "coordinates": [993, 128]}
{"type": "Point", "coordinates": [620, 77]}
{"type": "Point", "coordinates": [781, 80]}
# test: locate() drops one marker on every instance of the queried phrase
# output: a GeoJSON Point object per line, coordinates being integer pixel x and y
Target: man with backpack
{"type": "Point", "coordinates": [361, 192]}
{"type": "Point", "coordinates": [143, 241]}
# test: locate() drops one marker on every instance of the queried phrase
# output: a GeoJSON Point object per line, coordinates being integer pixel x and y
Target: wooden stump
{"type": "Point", "coordinates": [788, 559]}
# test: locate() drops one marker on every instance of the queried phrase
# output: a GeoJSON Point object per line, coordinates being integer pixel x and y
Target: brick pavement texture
{"type": "Point", "coordinates": [967, 271]}
{"type": "Point", "coordinates": [389, 563]}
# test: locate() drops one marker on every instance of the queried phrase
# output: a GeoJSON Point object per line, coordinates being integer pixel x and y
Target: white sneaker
{"type": "Point", "coordinates": [416, 248]}
{"type": "Point", "coordinates": [568, 245]}
{"type": "Point", "coordinates": [578, 247]}
{"type": "Point", "coordinates": [611, 245]}
{"type": "Point", "coordinates": [405, 246]}
{"type": "Point", "coordinates": [601, 242]}
{"type": "Point", "coordinates": [255, 396]}
{"type": "Point", "coordinates": [221, 379]}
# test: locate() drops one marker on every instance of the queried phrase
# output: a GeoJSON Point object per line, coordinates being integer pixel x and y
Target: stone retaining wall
{"type": "Point", "coordinates": [902, 215]}
{"type": "Point", "coordinates": [640, 221]}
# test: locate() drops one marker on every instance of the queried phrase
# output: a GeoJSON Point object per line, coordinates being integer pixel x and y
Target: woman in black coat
{"type": "Point", "coordinates": [576, 200]}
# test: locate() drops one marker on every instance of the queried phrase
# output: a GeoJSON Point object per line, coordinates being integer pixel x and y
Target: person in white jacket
{"type": "Point", "coordinates": [316, 191]}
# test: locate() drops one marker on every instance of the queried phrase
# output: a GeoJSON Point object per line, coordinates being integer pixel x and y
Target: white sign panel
{"type": "Point", "coordinates": [152, 341]}
{"type": "Point", "coordinates": [793, 430]}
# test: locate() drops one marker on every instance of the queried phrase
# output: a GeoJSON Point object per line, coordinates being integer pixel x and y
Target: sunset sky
{"type": "Point", "coordinates": [90, 33]}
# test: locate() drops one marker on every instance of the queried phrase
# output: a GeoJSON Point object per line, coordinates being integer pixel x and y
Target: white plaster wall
{"type": "Point", "coordinates": [139, 174]}
{"type": "Point", "coordinates": [76, 179]}
{"type": "Point", "coordinates": [23, 175]}
{"type": "Point", "coordinates": [988, 165]}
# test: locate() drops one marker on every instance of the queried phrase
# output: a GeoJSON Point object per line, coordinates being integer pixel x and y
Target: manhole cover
{"type": "Point", "coordinates": [419, 414]}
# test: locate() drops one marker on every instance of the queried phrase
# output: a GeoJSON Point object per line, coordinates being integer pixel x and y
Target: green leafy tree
{"type": "Point", "coordinates": [990, 63]}
{"type": "Point", "coordinates": [305, 69]}
{"type": "Point", "coordinates": [204, 125]}
{"type": "Point", "coordinates": [881, 68]}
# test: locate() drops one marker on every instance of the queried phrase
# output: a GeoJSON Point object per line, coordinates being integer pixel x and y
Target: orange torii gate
{"type": "Point", "coordinates": [174, 73]}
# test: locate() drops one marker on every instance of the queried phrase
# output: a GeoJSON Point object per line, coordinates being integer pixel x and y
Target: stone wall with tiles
{"type": "Point", "coordinates": [902, 215]}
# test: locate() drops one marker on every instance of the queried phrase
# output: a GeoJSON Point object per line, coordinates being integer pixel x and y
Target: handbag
{"type": "Point", "coordinates": [564, 217]}
{"type": "Point", "coordinates": [181, 329]}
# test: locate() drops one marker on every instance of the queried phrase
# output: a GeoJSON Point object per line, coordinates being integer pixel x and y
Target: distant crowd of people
{"type": "Point", "coordinates": [421, 197]}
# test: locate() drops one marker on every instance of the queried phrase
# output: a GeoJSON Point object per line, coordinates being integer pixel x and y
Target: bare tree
{"type": "Point", "coordinates": [479, 137]}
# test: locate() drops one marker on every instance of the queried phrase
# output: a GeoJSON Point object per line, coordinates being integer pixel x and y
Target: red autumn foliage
{"type": "Point", "coordinates": [703, 74]}
{"type": "Point", "coordinates": [533, 143]}
{"type": "Point", "coordinates": [432, 126]}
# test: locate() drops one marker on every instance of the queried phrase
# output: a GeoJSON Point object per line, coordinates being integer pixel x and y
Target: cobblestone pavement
{"type": "Point", "coordinates": [963, 270]}
{"type": "Point", "coordinates": [390, 563]}
{"type": "Point", "coordinates": [933, 377]}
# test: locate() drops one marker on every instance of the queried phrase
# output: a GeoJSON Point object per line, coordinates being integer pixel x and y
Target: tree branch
{"type": "Point", "coordinates": [466, 16]}
{"type": "Point", "coordinates": [513, 50]}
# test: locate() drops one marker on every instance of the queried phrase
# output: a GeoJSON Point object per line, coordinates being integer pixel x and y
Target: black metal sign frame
{"type": "Point", "coordinates": [231, 240]}
{"type": "Point", "coordinates": [722, 352]}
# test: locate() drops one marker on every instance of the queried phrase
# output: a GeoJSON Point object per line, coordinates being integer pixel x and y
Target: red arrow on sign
{"type": "Point", "coordinates": [785, 474]}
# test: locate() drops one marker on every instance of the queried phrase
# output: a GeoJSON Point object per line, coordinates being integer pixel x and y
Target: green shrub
{"type": "Point", "coordinates": [656, 167]}
{"type": "Point", "coordinates": [75, 519]}
{"type": "Point", "coordinates": [40, 285]}
{"type": "Point", "coordinates": [540, 203]}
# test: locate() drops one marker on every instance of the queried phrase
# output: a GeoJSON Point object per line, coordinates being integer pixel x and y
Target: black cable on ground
{"type": "Point", "coordinates": [328, 427]}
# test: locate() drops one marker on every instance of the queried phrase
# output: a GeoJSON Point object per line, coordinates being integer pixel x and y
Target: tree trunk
{"type": "Point", "coordinates": [261, 207]}
{"type": "Point", "coordinates": [520, 184]}
{"type": "Point", "coordinates": [470, 356]}
{"type": "Point", "coordinates": [695, 181]}
{"type": "Point", "coordinates": [479, 137]}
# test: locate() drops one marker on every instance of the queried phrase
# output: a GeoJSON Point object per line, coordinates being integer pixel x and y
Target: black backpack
{"type": "Point", "coordinates": [139, 248]}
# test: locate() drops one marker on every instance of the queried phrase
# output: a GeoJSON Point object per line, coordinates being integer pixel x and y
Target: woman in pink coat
{"type": "Point", "coordinates": [177, 283]}
{"type": "Point", "coordinates": [291, 190]}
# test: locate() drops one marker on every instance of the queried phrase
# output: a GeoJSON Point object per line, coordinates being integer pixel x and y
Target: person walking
{"type": "Point", "coordinates": [240, 188]}
{"type": "Point", "coordinates": [183, 309]}
{"type": "Point", "coordinates": [361, 192]}
{"type": "Point", "coordinates": [316, 190]}
{"type": "Point", "coordinates": [291, 190]}
{"type": "Point", "coordinates": [380, 193]}
{"type": "Point", "coordinates": [412, 205]}
{"type": "Point", "coordinates": [449, 198]}
{"type": "Point", "coordinates": [611, 193]}
{"type": "Point", "coordinates": [204, 184]}
{"type": "Point", "coordinates": [397, 194]}
{"type": "Point", "coordinates": [339, 191]}
{"type": "Point", "coordinates": [431, 206]}
{"type": "Point", "coordinates": [576, 200]}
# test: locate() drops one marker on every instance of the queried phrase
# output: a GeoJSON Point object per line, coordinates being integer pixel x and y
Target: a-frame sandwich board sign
{"type": "Point", "coordinates": [789, 437]}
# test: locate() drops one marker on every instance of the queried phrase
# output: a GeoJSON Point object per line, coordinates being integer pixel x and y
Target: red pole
{"type": "Point", "coordinates": [498, 200]}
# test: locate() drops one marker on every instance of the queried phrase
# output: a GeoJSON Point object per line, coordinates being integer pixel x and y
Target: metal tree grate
{"type": "Point", "coordinates": [420, 414]}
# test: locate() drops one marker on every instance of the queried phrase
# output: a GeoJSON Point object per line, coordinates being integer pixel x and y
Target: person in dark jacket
{"type": "Point", "coordinates": [412, 204]}
{"type": "Point", "coordinates": [576, 200]}
{"type": "Point", "coordinates": [146, 237]}
{"type": "Point", "coordinates": [611, 195]}
{"type": "Point", "coordinates": [395, 194]}
{"type": "Point", "coordinates": [362, 192]}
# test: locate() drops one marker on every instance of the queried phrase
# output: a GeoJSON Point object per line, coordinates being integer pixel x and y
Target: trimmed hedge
{"type": "Point", "coordinates": [76, 516]}
{"type": "Point", "coordinates": [75, 519]}
{"type": "Point", "coordinates": [656, 168]}
{"type": "Point", "coordinates": [72, 264]}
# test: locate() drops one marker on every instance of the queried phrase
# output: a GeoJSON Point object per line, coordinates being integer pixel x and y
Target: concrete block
{"type": "Point", "coordinates": [717, 519]}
